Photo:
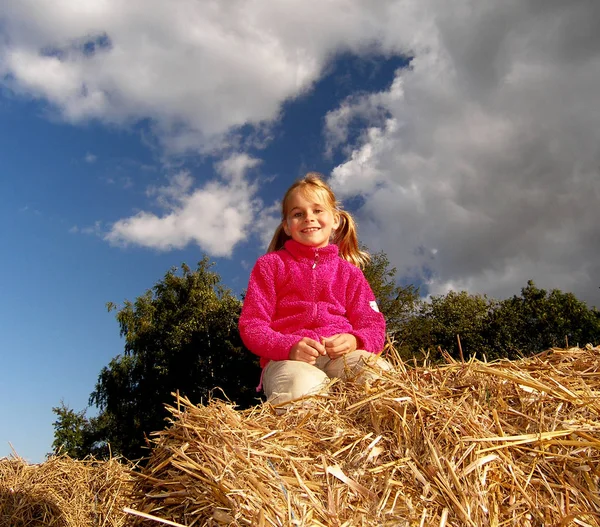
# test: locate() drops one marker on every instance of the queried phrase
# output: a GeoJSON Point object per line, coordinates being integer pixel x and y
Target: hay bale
{"type": "Point", "coordinates": [477, 444]}
{"type": "Point", "coordinates": [63, 492]}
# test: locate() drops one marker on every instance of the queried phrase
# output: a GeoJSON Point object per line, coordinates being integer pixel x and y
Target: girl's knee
{"type": "Point", "coordinates": [370, 368]}
{"type": "Point", "coordinates": [308, 384]}
{"type": "Point", "coordinates": [290, 380]}
{"type": "Point", "coordinates": [358, 364]}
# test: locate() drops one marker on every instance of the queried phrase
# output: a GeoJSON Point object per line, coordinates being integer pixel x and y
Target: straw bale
{"type": "Point", "coordinates": [466, 443]}
{"type": "Point", "coordinates": [63, 492]}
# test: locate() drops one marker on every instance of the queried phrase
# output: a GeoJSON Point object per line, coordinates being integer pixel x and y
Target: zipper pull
{"type": "Point", "coordinates": [316, 260]}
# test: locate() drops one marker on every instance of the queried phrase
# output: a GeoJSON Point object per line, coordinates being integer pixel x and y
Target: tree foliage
{"type": "Point", "coordinates": [539, 319]}
{"type": "Point", "coordinates": [519, 326]}
{"type": "Point", "coordinates": [397, 303]}
{"type": "Point", "coordinates": [446, 318]}
{"type": "Point", "coordinates": [182, 335]}
{"type": "Point", "coordinates": [77, 435]}
{"type": "Point", "coordinates": [70, 432]}
{"type": "Point", "coordinates": [179, 336]}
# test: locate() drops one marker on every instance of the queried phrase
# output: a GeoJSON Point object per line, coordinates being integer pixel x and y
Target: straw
{"type": "Point", "coordinates": [62, 492]}
{"type": "Point", "coordinates": [509, 443]}
{"type": "Point", "coordinates": [504, 443]}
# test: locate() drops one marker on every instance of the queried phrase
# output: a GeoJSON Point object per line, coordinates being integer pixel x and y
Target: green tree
{"type": "Point", "coordinates": [512, 328]}
{"type": "Point", "coordinates": [77, 435]}
{"type": "Point", "coordinates": [179, 336]}
{"type": "Point", "coordinates": [456, 314]}
{"type": "Point", "coordinates": [70, 432]}
{"type": "Point", "coordinates": [182, 335]}
{"type": "Point", "coordinates": [537, 320]}
{"type": "Point", "coordinates": [397, 303]}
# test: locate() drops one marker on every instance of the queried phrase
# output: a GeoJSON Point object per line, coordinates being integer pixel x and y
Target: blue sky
{"type": "Point", "coordinates": [465, 141]}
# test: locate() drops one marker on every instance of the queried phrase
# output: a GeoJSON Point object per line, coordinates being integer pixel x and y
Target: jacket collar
{"type": "Point", "coordinates": [308, 254]}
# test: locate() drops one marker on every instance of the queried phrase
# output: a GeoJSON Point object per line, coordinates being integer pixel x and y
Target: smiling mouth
{"type": "Point", "coordinates": [310, 229]}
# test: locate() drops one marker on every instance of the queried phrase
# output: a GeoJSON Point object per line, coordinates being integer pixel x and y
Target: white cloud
{"type": "Point", "coordinates": [480, 165]}
{"type": "Point", "coordinates": [216, 216]}
{"type": "Point", "coordinates": [90, 158]}
{"type": "Point", "coordinates": [267, 222]}
{"type": "Point", "coordinates": [371, 108]}
{"type": "Point", "coordinates": [487, 174]}
{"type": "Point", "coordinates": [198, 69]}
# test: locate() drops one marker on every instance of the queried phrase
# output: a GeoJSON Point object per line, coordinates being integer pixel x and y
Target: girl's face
{"type": "Point", "coordinates": [308, 220]}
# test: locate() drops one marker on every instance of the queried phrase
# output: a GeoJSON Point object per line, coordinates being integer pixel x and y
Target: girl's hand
{"type": "Point", "coordinates": [340, 344]}
{"type": "Point", "coordinates": [307, 350]}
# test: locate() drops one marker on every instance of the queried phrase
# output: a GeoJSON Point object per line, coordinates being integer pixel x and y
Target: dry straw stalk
{"type": "Point", "coordinates": [477, 444]}
{"type": "Point", "coordinates": [464, 444]}
{"type": "Point", "coordinates": [63, 492]}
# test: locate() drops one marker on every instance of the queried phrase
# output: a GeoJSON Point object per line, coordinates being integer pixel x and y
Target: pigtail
{"type": "Point", "coordinates": [278, 240]}
{"type": "Point", "coordinates": [346, 238]}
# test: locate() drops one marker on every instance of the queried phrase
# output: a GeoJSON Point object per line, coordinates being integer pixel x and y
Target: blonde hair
{"type": "Point", "coordinates": [345, 236]}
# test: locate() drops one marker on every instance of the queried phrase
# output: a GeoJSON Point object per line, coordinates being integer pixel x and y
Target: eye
{"type": "Point", "coordinates": [318, 211]}
{"type": "Point", "coordinates": [297, 215]}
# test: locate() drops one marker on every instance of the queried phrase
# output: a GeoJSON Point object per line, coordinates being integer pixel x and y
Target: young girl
{"type": "Point", "coordinates": [309, 312]}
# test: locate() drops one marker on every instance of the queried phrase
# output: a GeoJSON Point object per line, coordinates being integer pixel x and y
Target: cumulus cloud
{"type": "Point", "coordinates": [357, 111]}
{"type": "Point", "coordinates": [197, 69]}
{"type": "Point", "coordinates": [479, 166]}
{"type": "Point", "coordinates": [216, 216]}
{"type": "Point", "coordinates": [267, 222]}
{"type": "Point", "coordinates": [486, 171]}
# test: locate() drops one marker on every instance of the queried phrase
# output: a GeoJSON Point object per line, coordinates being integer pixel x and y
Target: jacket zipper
{"type": "Point", "coordinates": [314, 287]}
{"type": "Point", "coordinates": [316, 260]}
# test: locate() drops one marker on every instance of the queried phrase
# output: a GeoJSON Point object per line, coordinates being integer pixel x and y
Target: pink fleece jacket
{"type": "Point", "coordinates": [302, 291]}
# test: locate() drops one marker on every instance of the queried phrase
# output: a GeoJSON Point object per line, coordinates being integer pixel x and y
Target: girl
{"type": "Point", "coordinates": [309, 312]}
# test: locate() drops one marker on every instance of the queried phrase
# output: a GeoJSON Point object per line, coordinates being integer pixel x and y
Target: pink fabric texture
{"type": "Point", "coordinates": [301, 291]}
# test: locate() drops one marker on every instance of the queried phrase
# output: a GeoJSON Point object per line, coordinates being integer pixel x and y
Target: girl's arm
{"type": "Point", "coordinates": [367, 322]}
{"type": "Point", "coordinates": [258, 311]}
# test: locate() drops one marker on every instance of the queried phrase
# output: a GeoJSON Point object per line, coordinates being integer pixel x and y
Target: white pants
{"type": "Point", "coordinates": [285, 380]}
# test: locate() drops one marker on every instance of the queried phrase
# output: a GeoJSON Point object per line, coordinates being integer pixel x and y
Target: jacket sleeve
{"type": "Point", "coordinates": [367, 322]}
{"type": "Point", "coordinates": [258, 311]}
